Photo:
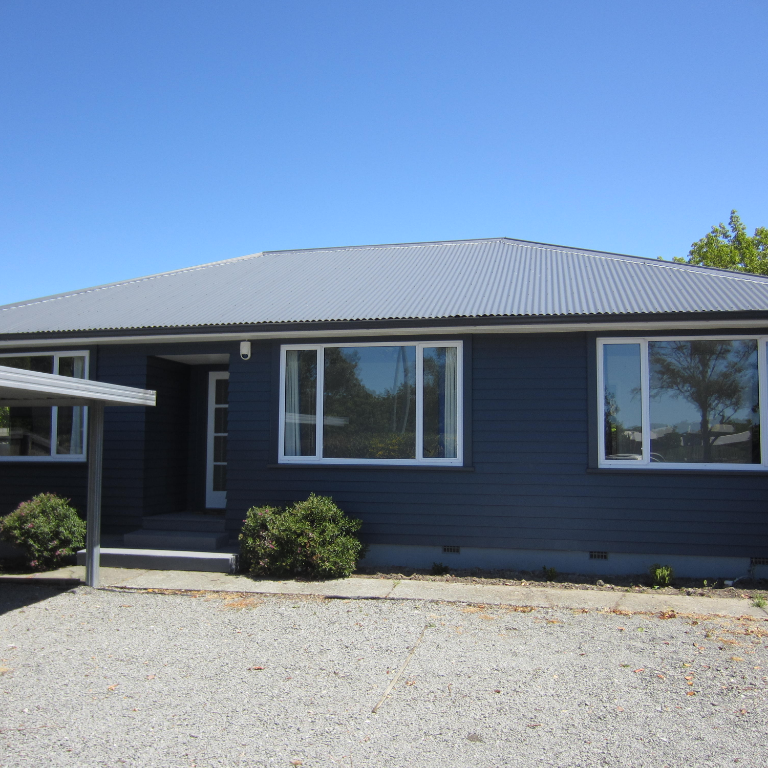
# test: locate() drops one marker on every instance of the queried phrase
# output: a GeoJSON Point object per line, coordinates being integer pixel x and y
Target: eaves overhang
{"type": "Point", "coordinates": [712, 321]}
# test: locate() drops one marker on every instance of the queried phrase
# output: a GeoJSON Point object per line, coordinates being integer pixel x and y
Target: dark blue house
{"type": "Point", "coordinates": [491, 403]}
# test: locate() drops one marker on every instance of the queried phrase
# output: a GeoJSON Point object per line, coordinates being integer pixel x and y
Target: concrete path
{"type": "Point", "coordinates": [543, 597]}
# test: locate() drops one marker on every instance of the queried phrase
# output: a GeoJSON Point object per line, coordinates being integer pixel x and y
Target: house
{"type": "Point", "coordinates": [490, 403]}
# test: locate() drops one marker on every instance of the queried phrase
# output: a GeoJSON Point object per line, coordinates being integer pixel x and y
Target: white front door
{"type": "Point", "coordinates": [216, 466]}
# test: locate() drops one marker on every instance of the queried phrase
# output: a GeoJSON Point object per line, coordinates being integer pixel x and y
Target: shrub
{"type": "Point", "coordinates": [662, 575]}
{"type": "Point", "coordinates": [440, 569]}
{"type": "Point", "coordinates": [46, 528]}
{"type": "Point", "coordinates": [312, 538]}
{"type": "Point", "coordinates": [550, 574]}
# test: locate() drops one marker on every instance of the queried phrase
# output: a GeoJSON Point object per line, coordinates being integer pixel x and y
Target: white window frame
{"type": "Point", "coordinates": [66, 457]}
{"type": "Point", "coordinates": [646, 462]}
{"type": "Point", "coordinates": [420, 460]}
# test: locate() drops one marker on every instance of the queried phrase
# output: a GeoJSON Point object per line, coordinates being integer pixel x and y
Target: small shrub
{"type": "Point", "coordinates": [759, 601]}
{"type": "Point", "coordinates": [550, 574]}
{"type": "Point", "coordinates": [661, 575]}
{"type": "Point", "coordinates": [312, 538]}
{"type": "Point", "coordinates": [46, 529]}
{"type": "Point", "coordinates": [439, 569]}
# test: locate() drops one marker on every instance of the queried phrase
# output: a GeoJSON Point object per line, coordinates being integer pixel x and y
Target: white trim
{"type": "Point", "coordinates": [318, 459]}
{"type": "Point", "coordinates": [65, 387]}
{"type": "Point", "coordinates": [213, 499]}
{"type": "Point", "coordinates": [420, 331]}
{"type": "Point", "coordinates": [645, 463]}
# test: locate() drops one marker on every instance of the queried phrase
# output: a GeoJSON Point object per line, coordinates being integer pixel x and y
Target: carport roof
{"type": "Point", "coordinates": [494, 278]}
{"type": "Point", "coordinates": [30, 388]}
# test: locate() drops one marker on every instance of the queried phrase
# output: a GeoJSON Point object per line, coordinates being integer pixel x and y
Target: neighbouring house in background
{"type": "Point", "coordinates": [492, 403]}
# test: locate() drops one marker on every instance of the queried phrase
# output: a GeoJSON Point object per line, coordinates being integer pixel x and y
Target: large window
{"type": "Point", "coordinates": [45, 433]}
{"type": "Point", "coordinates": [371, 403]}
{"type": "Point", "coordinates": [681, 403]}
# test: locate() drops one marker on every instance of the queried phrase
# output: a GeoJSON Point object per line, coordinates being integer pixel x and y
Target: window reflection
{"type": "Point", "coordinates": [370, 403]}
{"type": "Point", "coordinates": [622, 402]}
{"type": "Point", "coordinates": [704, 401]}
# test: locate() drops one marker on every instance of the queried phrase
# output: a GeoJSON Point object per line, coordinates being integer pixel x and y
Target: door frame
{"type": "Point", "coordinates": [213, 499]}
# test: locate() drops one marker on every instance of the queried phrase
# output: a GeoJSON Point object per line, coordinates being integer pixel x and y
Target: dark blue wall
{"type": "Point", "coordinates": [529, 483]}
{"type": "Point", "coordinates": [530, 487]}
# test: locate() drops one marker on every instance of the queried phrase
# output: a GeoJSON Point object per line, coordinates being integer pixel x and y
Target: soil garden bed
{"type": "Point", "coordinates": [744, 588]}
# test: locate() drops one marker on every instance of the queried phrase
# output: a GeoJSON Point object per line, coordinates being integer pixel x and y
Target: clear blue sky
{"type": "Point", "coordinates": [140, 136]}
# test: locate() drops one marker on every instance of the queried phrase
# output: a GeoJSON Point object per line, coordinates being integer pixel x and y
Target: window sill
{"type": "Point", "coordinates": [392, 467]}
{"type": "Point", "coordinates": [43, 459]}
{"type": "Point", "coordinates": [761, 472]}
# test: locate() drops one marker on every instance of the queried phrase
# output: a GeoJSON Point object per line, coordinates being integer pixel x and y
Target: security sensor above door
{"type": "Point", "coordinates": [245, 350]}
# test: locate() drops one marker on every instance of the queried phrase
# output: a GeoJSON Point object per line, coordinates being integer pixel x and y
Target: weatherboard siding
{"type": "Point", "coordinates": [530, 488]}
{"type": "Point", "coordinates": [529, 484]}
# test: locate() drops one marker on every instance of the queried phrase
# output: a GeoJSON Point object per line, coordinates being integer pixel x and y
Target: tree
{"type": "Point", "coordinates": [730, 247]}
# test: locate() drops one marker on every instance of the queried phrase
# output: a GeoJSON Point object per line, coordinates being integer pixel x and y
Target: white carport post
{"type": "Point", "coordinates": [29, 389]}
{"type": "Point", "coordinates": [93, 519]}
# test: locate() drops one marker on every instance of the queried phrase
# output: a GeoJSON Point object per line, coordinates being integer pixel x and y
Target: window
{"type": "Point", "coordinates": [681, 403]}
{"type": "Point", "coordinates": [371, 403]}
{"type": "Point", "coordinates": [45, 433]}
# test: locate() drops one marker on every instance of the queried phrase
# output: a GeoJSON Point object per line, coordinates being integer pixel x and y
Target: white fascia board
{"type": "Point", "coordinates": [658, 325]}
{"type": "Point", "coordinates": [30, 388]}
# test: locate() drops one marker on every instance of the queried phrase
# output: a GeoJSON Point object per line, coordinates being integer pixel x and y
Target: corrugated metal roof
{"type": "Point", "coordinates": [418, 281]}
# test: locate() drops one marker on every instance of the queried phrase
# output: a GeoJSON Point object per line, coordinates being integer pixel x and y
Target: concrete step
{"type": "Point", "coordinates": [184, 521]}
{"type": "Point", "coordinates": [164, 560]}
{"type": "Point", "coordinates": [190, 541]}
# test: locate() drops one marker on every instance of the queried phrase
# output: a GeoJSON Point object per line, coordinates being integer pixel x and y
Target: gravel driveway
{"type": "Point", "coordinates": [100, 678]}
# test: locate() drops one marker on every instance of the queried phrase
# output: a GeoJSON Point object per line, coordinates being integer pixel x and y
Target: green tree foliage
{"type": "Point", "coordinates": [46, 529]}
{"type": "Point", "coordinates": [730, 247]}
{"type": "Point", "coordinates": [312, 538]}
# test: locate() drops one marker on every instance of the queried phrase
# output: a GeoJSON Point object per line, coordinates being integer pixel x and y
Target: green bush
{"type": "Point", "coordinates": [662, 575]}
{"type": "Point", "coordinates": [312, 538]}
{"type": "Point", "coordinates": [46, 528]}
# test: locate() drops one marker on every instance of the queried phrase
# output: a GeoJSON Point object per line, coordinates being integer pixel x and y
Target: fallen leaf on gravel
{"type": "Point", "coordinates": [736, 658]}
{"type": "Point", "coordinates": [619, 709]}
{"type": "Point", "coordinates": [150, 677]}
{"type": "Point", "coordinates": [690, 693]}
{"type": "Point", "coordinates": [534, 725]}
{"type": "Point", "coordinates": [5, 670]}
{"type": "Point", "coordinates": [112, 687]}
{"type": "Point", "coordinates": [296, 762]}
{"type": "Point", "coordinates": [497, 690]}
{"type": "Point", "coordinates": [256, 669]}
{"type": "Point", "coordinates": [661, 676]}
{"type": "Point", "coordinates": [639, 669]}
{"type": "Point", "coordinates": [667, 615]}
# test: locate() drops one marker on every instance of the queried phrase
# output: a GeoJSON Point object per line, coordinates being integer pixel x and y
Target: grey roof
{"type": "Point", "coordinates": [417, 281]}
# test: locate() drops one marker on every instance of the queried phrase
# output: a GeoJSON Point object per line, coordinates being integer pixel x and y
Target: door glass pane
{"type": "Point", "coordinates": [300, 402]}
{"type": "Point", "coordinates": [622, 402]}
{"type": "Point", "coordinates": [440, 403]}
{"type": "Point", "coordinates": [25, 432]}
{"type": "Point", "coordinates": [704, 401]}
{"type": "Point", "coordinates": [220, 448]}
{"type": "Point", "coordinates": [222, 392]}
{"type": "Point", "coordinates": [219, 477]}
{"type": "Point", "coordinates": [370, 403]}
{"type": "Point", "coordinates": [220, 419]}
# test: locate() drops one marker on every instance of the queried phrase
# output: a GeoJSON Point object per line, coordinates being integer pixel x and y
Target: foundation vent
{"type": "Point", "coordinates": [598, 555]}
{"type": "Point", "coordinates": [449, 549]}
{"type": "Point", "coordinates": [758, 561]}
